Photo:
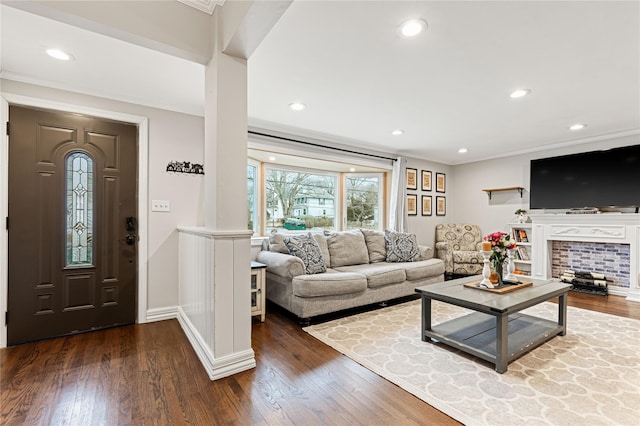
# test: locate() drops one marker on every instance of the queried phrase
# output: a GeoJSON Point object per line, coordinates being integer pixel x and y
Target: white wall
{"type": "Point", "coordinates": [172, 136]}
{"type": "Point", "coordinates": [425, 226]}
{"type": "Point", "coordinates": [469, 204]}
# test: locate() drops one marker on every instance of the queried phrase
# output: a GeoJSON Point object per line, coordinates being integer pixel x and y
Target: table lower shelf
{"type": "Point", "coordinates": [475, 334]}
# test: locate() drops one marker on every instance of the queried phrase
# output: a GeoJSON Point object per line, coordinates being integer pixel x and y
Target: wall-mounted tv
{"type": "Point", "coordinates": [607, 178]}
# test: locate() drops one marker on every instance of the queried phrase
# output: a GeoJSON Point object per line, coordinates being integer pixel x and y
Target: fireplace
{"type": "Point", "coordinates": [611, 260]}
{"type": "Point", "coordinates": [608, 243]}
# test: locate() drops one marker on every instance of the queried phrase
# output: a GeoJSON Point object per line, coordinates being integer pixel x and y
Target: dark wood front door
{"type": "Point", "coordinates": [72, 224]}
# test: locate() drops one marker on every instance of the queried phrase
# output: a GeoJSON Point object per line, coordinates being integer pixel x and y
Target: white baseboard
{"type": "Point", "coordinates": [161, 314]}
{"type": "Point", "coordinates": [216, 368]}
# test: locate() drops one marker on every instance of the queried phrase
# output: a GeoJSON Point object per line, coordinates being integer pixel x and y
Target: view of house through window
{"type": "Point", "coordinates": [296, 194]}
{"type": "Point", "coordinates": [298, 200]}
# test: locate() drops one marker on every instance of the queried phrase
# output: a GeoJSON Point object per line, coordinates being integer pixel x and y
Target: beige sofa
{"type": "Point", "coordinates": [361, 267]}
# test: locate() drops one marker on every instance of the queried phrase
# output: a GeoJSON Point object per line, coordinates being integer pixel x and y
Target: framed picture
{"type": "Point", "coordinates": [440, 182]}
{"type": "Point", "coordinates": [412, 204]}
{"type": "Point", "coordinates": [412, 178]}
{"type": "Point", "coordinates": [441, 206]}
{"type": "Point", "coordinates": [426, 180]}
{"type": "Point", "coordinates": [426, 205]}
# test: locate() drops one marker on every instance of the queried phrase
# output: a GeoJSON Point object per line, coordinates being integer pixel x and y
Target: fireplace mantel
{"type": "Point", "coordinates": [617, 228]}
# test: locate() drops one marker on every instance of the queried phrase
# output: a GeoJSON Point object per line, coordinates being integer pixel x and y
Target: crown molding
{"type": "Point", "coordinates": [206, 6]}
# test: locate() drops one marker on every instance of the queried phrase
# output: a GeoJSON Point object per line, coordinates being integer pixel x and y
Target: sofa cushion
{"type": "Point", "coordinates": [330, 283]}
{"type": "Point", "coordinates": [307, 249]}
{"type": "Point", "coordinates": [379, 274]}
{"type": "Point", "coordinates": [376, 245]}
{"type": "Point", "coordinates": [347, 248]}
{"type": "Point", "coordinates": [401, 246]}
{"type": "Point", "coordinates": [322, 242]}
{"type": "Point", "coordinates": [276, 243]}
{"type": "Point", "coordinates": [423, 269]}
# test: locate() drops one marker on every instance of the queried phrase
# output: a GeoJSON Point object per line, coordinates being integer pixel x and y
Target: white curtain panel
{"type": "Point", "coordinates": [397, 206]}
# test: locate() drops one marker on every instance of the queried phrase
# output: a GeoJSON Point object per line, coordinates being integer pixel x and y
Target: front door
{"type": "Point", "coordinates": [72, 224]}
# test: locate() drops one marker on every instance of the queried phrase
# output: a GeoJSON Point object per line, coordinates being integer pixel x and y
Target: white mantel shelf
{"type": "Point", "coordinates": [616, 228]}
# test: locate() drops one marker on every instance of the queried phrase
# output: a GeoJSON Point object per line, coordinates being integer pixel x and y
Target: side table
{"type": "Point", "coordinates": [258, 289]}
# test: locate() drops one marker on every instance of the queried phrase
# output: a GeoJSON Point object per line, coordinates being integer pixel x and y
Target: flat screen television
{"type": "Point", "coordinates": [607, 178]}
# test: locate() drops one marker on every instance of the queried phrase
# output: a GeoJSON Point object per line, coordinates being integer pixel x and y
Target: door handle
{"type": "Point", "coordinates": [130, 239]}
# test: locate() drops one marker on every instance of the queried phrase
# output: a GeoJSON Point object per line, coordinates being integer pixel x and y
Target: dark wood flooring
{"type": "Point", "coordinates": [149, 375]}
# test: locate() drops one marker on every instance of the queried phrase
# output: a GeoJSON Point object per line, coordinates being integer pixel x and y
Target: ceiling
{"type": "Point", "coordinates": [447, 88]}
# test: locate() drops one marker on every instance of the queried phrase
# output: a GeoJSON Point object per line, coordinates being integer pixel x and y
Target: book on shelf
{"type": "Point", "coordinates": [523, 253]}
{"type": "Point", "coordinates": [520, 235]}
{"type": "Point", "coordinates": [523, 236]}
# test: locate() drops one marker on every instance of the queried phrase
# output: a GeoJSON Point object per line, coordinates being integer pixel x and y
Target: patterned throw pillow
{"type": "Point", "coordinates": [308, 250]}
{"type": "Point", "coordinates": [401, 247]}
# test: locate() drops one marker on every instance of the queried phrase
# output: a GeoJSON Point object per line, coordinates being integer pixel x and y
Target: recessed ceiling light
{"type": "Point", "coordinates": [297, 106]}
{"type": "Point", "coordinates": [520, 93]}
{"type": "Point", "coordinates": [59, 54]}
{"type": "Point", "coordinates": [352, 169]}
{"type": "Point", "coordinates": [577, 126]}
{"type": "Point", "coordinates": [272, 158]}
{"type": "Point", "coordinates": [397, 132]}
{"type": "Point", "coordinates": [463, 151]}
{"type": "Point", "coordinates": [413, 27]}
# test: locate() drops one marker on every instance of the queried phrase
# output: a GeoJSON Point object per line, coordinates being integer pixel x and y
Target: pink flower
{"type": "Point", "coordinates": [500, 243]}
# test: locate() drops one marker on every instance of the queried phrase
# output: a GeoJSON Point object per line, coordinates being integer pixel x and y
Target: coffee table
{"type": "Point", "coordinates": [496, 331]}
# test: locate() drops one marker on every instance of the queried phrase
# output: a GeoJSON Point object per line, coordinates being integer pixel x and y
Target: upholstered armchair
{"type": "Point", "coordinates": [459, 245]}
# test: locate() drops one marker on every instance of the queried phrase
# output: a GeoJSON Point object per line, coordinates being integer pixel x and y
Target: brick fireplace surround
{"type": "Point", "coordinates": [608, 243]}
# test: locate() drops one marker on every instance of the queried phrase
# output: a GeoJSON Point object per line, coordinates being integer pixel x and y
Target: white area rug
{"type": "Point", "coordinates": [591, 376]}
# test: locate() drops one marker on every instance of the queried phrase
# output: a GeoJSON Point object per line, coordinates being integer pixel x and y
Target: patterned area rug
{"type": "Point", "coordinates": [591, 376]}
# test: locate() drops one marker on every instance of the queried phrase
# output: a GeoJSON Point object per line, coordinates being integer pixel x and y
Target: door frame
{"type": "Point", "coordinates": [142, 122]}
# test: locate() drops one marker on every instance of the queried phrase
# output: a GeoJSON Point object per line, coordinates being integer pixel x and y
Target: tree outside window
{"type": "Point", "coordinates": [363, 201]}
{"type": "Point", "coordinates": [296, 195]}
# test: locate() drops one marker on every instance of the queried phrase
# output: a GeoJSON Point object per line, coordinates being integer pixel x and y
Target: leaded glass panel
{"type": "Point", "coordinates": [79, 177]}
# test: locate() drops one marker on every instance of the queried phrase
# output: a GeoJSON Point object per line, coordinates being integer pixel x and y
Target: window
{"type": "Point", "coordinates": [292, 194]}
{"type": "Point", "coordinates": [363, 200]}
{"type": "Point", "coordinates": [252, 197]}
{"type": "Point", "coordinates": [300, 193]}
{"type": "Point", "coordinates": [79, 192]}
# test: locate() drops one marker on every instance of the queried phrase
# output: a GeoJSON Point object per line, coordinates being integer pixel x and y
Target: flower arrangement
{"type": "Point", "coordinates": [500, 244]}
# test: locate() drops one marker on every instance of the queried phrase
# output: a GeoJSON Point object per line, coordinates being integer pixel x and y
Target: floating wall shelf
{"type": "Point", "coordinates": [510, 188]}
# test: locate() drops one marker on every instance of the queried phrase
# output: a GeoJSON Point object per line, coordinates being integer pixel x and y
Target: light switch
{"type": "Point", "coordinates": [160, 205]}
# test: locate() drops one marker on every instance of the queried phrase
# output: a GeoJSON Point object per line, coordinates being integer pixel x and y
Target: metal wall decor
{"type": "Point", "coordinates": [185, 167]}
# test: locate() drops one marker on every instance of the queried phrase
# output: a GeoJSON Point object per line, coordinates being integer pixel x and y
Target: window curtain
{"type": "Point", "coordinates": [397, 209]}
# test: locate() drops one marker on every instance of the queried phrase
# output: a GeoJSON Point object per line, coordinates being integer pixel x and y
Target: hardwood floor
{"type": "Point", "coordinates": [149, 375]}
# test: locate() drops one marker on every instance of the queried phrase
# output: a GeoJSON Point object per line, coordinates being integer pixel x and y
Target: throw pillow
{"type": "Point", "coordinates": [401, 247]}
{"type": "Point", "coordinates": [375, 245]}
{"type": "Point", "coordinates": [322, 242]}
{"type": "Point", "coordinates": [347, 248]}
{"type": "Point", "coordinates": [307, 249]}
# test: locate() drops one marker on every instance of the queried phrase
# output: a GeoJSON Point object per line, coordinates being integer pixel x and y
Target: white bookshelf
{"type": "Point", "coordinates": [521, 234]}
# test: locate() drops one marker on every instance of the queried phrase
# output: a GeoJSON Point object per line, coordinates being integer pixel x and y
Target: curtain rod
{"type": "Point", "coordinates": [320, 146]}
